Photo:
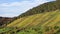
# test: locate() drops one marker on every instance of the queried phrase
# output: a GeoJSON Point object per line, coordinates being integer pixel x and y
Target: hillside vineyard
{"type": "Point", "coordinates": [43, 19]}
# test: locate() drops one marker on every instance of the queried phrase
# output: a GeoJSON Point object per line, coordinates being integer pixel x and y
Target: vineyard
{"type": "Point", "coordinates": [45, 20]}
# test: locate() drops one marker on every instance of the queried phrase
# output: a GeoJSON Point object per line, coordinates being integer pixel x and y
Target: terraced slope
{"type": "Point", "coordinates": [43, 19]}
{"type": "Point", "coordinates": [46, 19]}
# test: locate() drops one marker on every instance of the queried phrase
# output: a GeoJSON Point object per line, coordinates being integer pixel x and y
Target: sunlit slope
{"type": "Point", "coordinates": [44, 14]}
{"type": "Point", "coordinates": [50, 19]}
{"type": "Point", "coordinates": [44, 19]}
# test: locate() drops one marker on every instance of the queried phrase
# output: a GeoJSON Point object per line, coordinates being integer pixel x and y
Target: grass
{"type": "Point", "coordinates": [32, 23]}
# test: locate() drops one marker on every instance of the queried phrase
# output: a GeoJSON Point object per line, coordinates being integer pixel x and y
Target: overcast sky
{"type": "Point", "coordinates": [11, 8]}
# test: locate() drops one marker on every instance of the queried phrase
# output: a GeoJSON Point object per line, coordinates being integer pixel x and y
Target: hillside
{"type": "Point", "coordinates": [43, 19]}
{"type": "Point", "coordinates": [4, 20]}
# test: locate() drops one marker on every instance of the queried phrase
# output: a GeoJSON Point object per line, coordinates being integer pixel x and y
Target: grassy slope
{"type": "Point", "coordinates": [43, 19]}
{"type": "Point", "coordinates": [46, 18]}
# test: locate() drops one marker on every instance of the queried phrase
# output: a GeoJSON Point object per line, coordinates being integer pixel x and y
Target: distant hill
{"type": "Point", "coordinates": [4, 20]}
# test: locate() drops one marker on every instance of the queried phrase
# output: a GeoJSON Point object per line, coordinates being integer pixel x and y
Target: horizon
{"type": "Point", "coordinates": [12, 8]}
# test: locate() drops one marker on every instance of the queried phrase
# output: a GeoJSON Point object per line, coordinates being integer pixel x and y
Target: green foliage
{"type": "Point", "coordinates": [56, 27]}
{"type": "Point", "coordinates": [32, 30]}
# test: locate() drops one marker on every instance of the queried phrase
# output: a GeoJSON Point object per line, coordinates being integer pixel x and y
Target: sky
{"type": "Point", "coordinates": [11, 8]}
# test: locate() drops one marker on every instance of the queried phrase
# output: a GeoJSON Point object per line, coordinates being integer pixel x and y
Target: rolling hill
{"type": "Point", "coordinates": [4, 20]}
{"type": "Point", "coordinates": [43, 19]}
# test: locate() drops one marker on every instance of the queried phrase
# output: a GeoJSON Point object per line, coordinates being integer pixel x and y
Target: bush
{"type": "Point", "coordinates": [56, 27]}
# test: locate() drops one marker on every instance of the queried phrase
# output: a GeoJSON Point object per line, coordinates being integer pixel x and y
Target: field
{"type": "Point", "coordinates": [43, 23]}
